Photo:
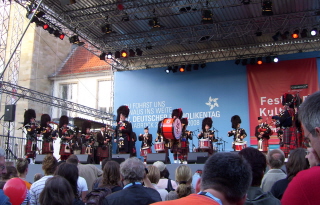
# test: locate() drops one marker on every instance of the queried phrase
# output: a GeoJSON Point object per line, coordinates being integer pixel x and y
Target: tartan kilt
{"type": "Point", "coordinates": [288, 134]}
{"type": "Point", "coordinates": [30, 149]}
{"type": "Point", "coordinates": [47, 147]}
{"type": "Point", "coordinates": [174, 148]}
{"type": "Point", "coordinates": [265, 145]}
{"type": "Point", "coordinates": [103, 153]}
{"type": "Point", "coordinates": [285, 149]}
{"type": "Point", "coordinates": [62, 150]}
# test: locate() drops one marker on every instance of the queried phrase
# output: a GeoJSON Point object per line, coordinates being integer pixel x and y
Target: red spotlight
{"type": "Point", "coordinates": [61, 36]}
{"type": "Point", "coordinates": [259, 61]}
{"type": "Point", "coordinates": [182, 68]}
{"type": "Point", "coordinates": [124, 54]}
{"type": "Point", "coordinates": [295, 34]}
{"type": "Point", "coordinates": [45, 26]}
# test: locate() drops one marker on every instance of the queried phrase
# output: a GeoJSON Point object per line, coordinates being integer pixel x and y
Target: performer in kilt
{"type": "Point", "coordinates": [88, 139]}
{"type": "Point", "coordinates": [184, 143]}
{"type": "Point", "coordinates": [176, 113]}
{"type": "Point", "coordinates": [66, 134]}
{"type": "Point", "coordinates": [77, 142]}
{"type": "Point", "coordinates": [238, 133]}
{"type": "Point", "coordinates": [162, 144]}
{"type": "Point", "coordinates": [104, 143]}
{"type": "Point", "coordinates": [263, 133]}
{"type": "Point", "coordinates": [123, 135]}
{"type": "Point", "coordinates": [146, 143]}
{"type": "Point", "coordinates": [31, 130]}
{"type": "Point", "coordinates": [206, 137]}
{"type": "Point", "coordinates": [47, 134]}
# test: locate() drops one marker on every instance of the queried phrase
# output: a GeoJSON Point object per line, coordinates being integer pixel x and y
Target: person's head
{"type": "Point", "coordinates": [309, 115]}
{"type": "Point", "coordinates": [296, 162]}
{"type": "Point", "coordinates": [132, 170]}
{"type": "Point", "coordinates": [69, 172]}
{"type": "Point", "coordinates": [111, 174]}
{"type": "Point", "coordinates": [164, 173]}
{"type": "Point", "coordinates": [11, 173]}
{"type": "Point", "coordinates": [37, 176]}
{"type": "Point", "coordinates": [275, 158]}
{"type": "Point", "coordinates": [146, 130]}
{"type": "Point", "coordinates": [22, 166]}
{"type": "Point", "coordinates": [3, 169]}
{"type": "Point", "coordinates": [153, 174]}
{"type": "Point", "coordinates": [184, 178]}
{"type": "Point", "coordinates": [49, 164]}
{"type": "Point", "coordinates": [259, 120]}
{"type": "Point", "coordinates": [258, 163]}
{"type": "Point", "coordinates": [73, 159]}
{"type": "Point", "coordinates": [227, 173]}
{"type": "Point", "coordinates": [57, 191]}
{"type": "Point", "coordinates": [103, 128]}
{"type": "Point", "coordinates": [104, 162]}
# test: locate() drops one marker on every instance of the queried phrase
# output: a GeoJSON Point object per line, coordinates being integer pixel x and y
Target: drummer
{"type": "Point", "coordinates": [176, 113]}
{"type": "Point", "coordinates": [238, 133]}
{"type": "Point", "coordinates": [206, 136]}
{"type": "Point", "coordinates": [162, 144]}
{"type": "Point", "coordinates": [146, 139]}
{"type": "Point", "coordinates": [184, 143]}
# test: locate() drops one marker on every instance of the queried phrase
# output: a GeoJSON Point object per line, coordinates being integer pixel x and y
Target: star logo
{"type": "Point", "coordinates": [212, 102]}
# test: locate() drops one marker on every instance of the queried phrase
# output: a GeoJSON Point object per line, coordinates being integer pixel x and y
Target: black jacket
{"type": "Point", "coordinates": [133, 195]}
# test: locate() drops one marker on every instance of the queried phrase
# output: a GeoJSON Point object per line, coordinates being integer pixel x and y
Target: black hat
{"type": "Point", "coordinates": [123, 109]}
{"type": "Point", "coordinates": [103, 125]}
{"type": "Point", "coordinates": [206, 121]}
{"type": "Point", "coordinates": [86, 124]}
{"type": "Point", "coordinates": [184, 121]}
{"type": "Point", "coordinates": [64, 120]}
{"type": "Point", "coordinates": [259, 118]}
{"type": "Point", "coordinates": [177, 112]}
{"type": "Point", "coordinates": [146, 128]}
{"type": "Point", "coordinates": [159, 131]}
{"type": "Point", "coordinates": [28, 115]}
{"type": "Point", "coordinates": [235, 120]}
{"type": "Point", "coordinates": [287, 99]}
{"type": "Point", "coordinates": [44, 119]}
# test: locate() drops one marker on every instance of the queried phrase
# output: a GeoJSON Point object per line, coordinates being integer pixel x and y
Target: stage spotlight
{"type": "Point", "coordinates": [304, 33]}
{"type": "Point", "coordinates": [154, 23]}
{"type": "Point", "coordinates": [175, 69]}
{"type": "Point", "coordinates": [139, 52]}
{"type": "Point", "coordinates": [75, 40]}
{"type": "Point", "coordinates": [182, 68]}
{"type": "Point", "coordinates": [103, 56]}
{"type": "Point", "coordinates": [259, 61]}
{"type": "Point", "coordinates": [61, 36]}
{"type": "Point", "coordinates": [285, 35]}
{"type": "Point", "coordinates": [124, 54]}
{"type": "Point", "coordinates": [132, 53]}
{"type": "Point", "coordinates": [149, 46]}
{"type": "Point", "coordinates": [169, 69]}
{"type": "Point", "coordinates": [275, 59]}
{"type": "Point", "coordinates": [189, 67]}
{"type": "Point", "coordinates": [106, 28]}
{"type": "Point", "coordinates": [267, 8]}
{"type": "Point", "coordinates": [67, 2]}
{"type": "Point", "coordinates": [268, 59]}
{"type": "Point", "coordinates": [295, 34]}
{"type": "Point", "coordinates": [275, 37]}
{"type": "Point", "coordinates": [109, 55]}
{"type": "Point", "coordinates": [258, 33]}
{"type": "Point", "coordinates": [207, 17]}
{"type": "Point", "coordinates": [244, 62]}
{"type": "Point", "coordinates": [314, 32]}
{"type": "Point", "coordinates": [203, 65]}
{"type": "Point", "coordinates": [252, 61]}
{"type": "Point", "coordinates": [237, 62]}
{"type": "Point", "coordinates": [45, 26]}
{"type": "Point", "coordinates": [117, 54]}
{"type": "Point", "coordinates": [195, 66]}
{"type": "Point", "coordinates": [245, 2]}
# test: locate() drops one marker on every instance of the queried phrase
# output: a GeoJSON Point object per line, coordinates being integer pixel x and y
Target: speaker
{"type": "Point", "coordinates": [83, 158]}
{"type": "Point", "coordinates": [201, 160]}
{"type": "Point", "coordinates": [193, 156]}
{"type": "Point", "coordinates": [39, 158]}
{"type": "Point", "coordinates": [120, 157]}
{"type": "Point", "coordinates": [153, 157]}
{"type": "Point", "coordinates": [9, 113]}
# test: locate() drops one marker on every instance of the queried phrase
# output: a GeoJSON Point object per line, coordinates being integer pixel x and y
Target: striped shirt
{"type": "Point", "coordinates": [36, 189]}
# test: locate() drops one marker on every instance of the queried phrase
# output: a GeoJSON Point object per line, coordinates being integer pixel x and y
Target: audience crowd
{"type": "Point", "coordinates": [246, 177]}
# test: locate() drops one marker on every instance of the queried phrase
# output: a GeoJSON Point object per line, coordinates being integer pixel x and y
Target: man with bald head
{"type": "Point", "coordinates": [304, 187]}
{"type": "Point", "coordinates": [275, 160]}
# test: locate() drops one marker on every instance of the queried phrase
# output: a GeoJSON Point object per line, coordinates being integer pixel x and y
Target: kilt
{"type": "Point", "coordinates": [63, 150]}
{"type": "Point", "coordinates": [30, 149]}
{"type": "Point", "coordinates": [285, 149]}
{"type": "Point", "coordinates": [265, 145]}
{"type": "Point", "coordinates": [145, 152]}
{"type": "Point", "coordinates": [103, 153]}
{"type": "Point", "coordinates": [288, 135]}
{"type": "Point", "coordinates": [47, 147]}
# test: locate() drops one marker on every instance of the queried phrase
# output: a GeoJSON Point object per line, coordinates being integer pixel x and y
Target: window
{"type": "Point", "coordinates": [69, 93]}
{"type": "Point", "coordinates": [105, 96]}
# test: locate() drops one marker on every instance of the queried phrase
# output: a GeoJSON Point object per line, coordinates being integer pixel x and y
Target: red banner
{"type": "Point", "coordinates": [269, 81]}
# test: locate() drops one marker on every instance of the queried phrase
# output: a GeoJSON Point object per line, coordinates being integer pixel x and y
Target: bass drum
{"type": "Point", "coordinates": [171, 128]}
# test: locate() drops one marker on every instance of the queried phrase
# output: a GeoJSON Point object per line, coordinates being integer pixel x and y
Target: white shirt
{"type": "Point", "coordinates": [163, 183]}
{"type": "Point", "coordinates": [82, 185]}
{"type": "Point", "coordinates": [36, 189]}
{"type": "Point", "coordinates": [163, 193]}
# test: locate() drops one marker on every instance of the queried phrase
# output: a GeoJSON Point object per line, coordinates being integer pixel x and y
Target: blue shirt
{"type": "Point", "coordinates": [130, 184]}
{"type": "Point", "coordinates": [4, 200]}
{"type": "Point", "coordinates": [211, 196]}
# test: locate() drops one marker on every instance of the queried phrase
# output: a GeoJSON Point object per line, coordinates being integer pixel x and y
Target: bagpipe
{"type": "Point", "coordinates": [32, 130]}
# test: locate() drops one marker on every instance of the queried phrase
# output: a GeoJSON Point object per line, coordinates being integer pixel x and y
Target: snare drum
{"type": "Point", "coordinates": [240, 145]}
{"type": "Point", "coordinates": [144, 152]}
{"type": "Point", "coordinates": [159, 146]}
{"type": "Point", "coordinates": [171, 128]}
{"type": "Point", "coordinates": [204, 143]}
